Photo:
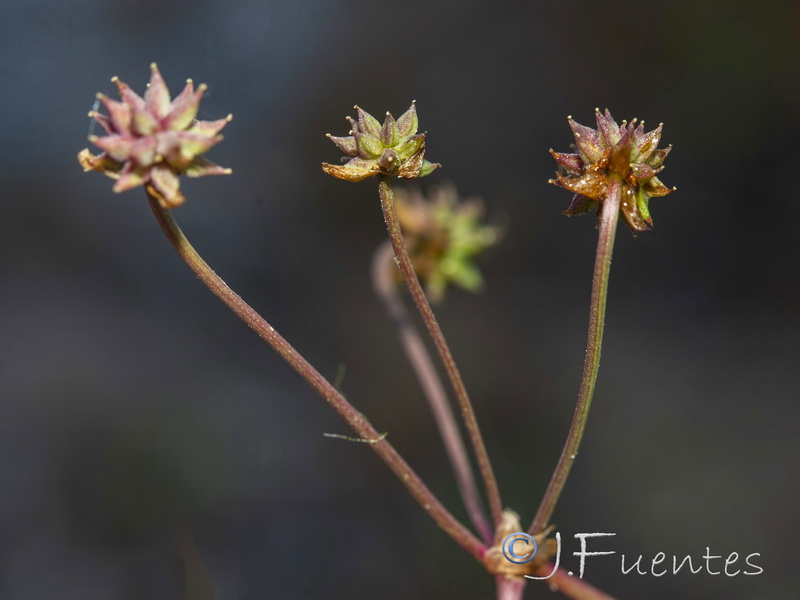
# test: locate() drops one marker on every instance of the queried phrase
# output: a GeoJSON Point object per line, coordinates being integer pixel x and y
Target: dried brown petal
{"type": "Point", "coordinates": [350, 171]}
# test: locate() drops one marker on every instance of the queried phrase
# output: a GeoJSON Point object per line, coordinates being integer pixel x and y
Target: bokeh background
{"type": "Point", "coordinates": [137, 414]}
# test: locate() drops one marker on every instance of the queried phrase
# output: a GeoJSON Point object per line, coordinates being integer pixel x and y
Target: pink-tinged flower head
{"type": "Point", "coordinates": [150, 141]}
{"type": "Point", "coordinates": [623, 151]}
{"type": "Point", "coordinates": [391, 148]}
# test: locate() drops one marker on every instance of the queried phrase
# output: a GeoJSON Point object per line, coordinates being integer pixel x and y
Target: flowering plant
{"type": "Point", "coordinates": [150, 141]}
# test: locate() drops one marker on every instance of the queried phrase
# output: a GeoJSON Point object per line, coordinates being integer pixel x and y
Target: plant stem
{"type": "Point", "coordinates": [605, 245]}
{"type": "Point", "coordinates": [383, 266]}
{"type": "Point", "coordinates": [424, 307]}
{"type": "Point", "coordinates": [510, 589]}
{"type": "Point", "coordinates": [570, 586]}
{"type": "Point", "coordinates": [460, 534]}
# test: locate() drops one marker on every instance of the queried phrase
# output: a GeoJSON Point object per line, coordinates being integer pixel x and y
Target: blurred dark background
{"type": "Point", "coordinates": [133, 405]}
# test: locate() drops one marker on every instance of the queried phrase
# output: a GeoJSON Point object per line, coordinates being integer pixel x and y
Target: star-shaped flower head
{"type": "Point", "coordinates": [623, 151]}
{"type": "Point", "coordinates": [391, 148]}
{"type": "Point", "coordinates": [151, 141]}
{"type": "Point", "coordinates": [444, 236]}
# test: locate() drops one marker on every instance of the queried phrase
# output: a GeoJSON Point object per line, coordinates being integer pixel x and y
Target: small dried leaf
{"type": "Point", "coordinates": [349, 172]}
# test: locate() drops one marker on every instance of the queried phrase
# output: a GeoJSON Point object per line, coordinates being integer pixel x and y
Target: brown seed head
{"type": "Point", "coordinates": [623, 151]}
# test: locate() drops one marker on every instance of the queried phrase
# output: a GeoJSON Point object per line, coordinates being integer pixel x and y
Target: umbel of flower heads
{"type": "Point", "coordinates": [150, 141]}
{"type": "Point", "coordinates": [623, 151]}
{"type": "Point", "coordinates": [391, 148]}
{"type": "Point", "coordinates": [444, 236]}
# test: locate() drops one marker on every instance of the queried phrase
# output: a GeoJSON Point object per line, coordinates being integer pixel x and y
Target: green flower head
{"type": "Point", "coordinates": [444, 237]}
{"type": "Point", "coordinates": [391, 148]}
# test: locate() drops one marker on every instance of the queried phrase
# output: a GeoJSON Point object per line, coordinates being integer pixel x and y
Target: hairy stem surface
{"type": "Point", "coordinates": [418, 490]}
{"type": "Point", "coordinates": [383, 268]}
{"type": "Point", "coordinates": [453, 374]}
{"type": "Point", "coordinates": [602, 267]}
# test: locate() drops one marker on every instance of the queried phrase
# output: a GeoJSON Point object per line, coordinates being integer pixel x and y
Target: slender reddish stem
{"type": "Point", "coordinates": [602, 267]}
{"type": "Point", "coordinates": [383, 269]}
{"type": "Point", "coordinates": [460, 534]}
{"type": "Point", "coordinates": [443, 349]}
{"type": "Point", "coordinates": [510, 589]}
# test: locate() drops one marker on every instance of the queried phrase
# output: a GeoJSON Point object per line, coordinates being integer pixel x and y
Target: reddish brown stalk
{"type": "Point", "coordinates": [386, 288]}
{"type": "Point", "coordinates": [510, 589]}
{"type": "Point", "coordinates": [602, 267]}
{"type": "Point", "coordinates": [418, 490]}
{"type": "Point", "coordinates": [443, 349]}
